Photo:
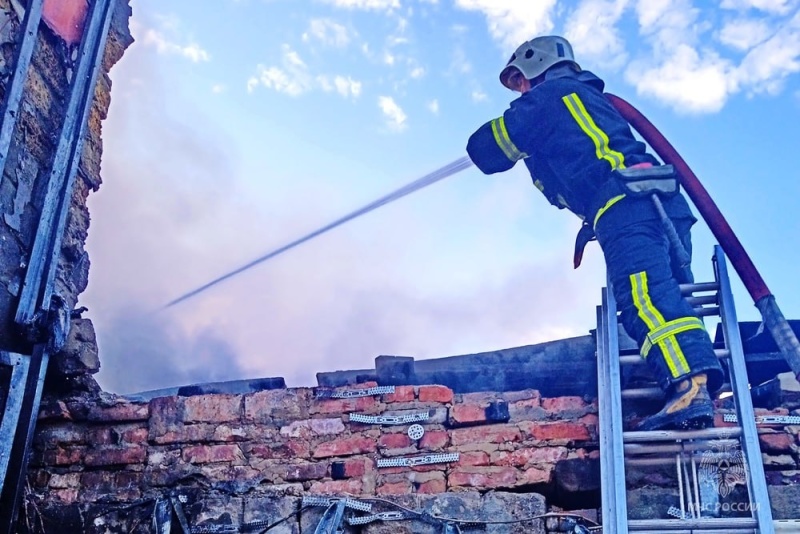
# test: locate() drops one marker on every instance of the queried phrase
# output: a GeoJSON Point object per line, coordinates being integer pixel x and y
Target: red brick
{"type": "Point", "coordinates": [212, 409]}
{"type": "Point", "coordinates": [467, 413]}
{"type": "Point", "coordinates": [352, 486]}
{"type": "Point", "coordinates": [340, 406]}
{"type": "Point", "coordinates": [473, 459]}
{"type": "Point", "coordinates": [401, 394]}
{"type": "Point", "coordinates": [345, 447]}
{"type": "Point", "coordinates": [204, 454]}
{"type": "Point", "coordinates": [119, 412]}
{"type": "Point", "coordinates": [135, 435]}
{"type": "Point", "coordinates": [394, 488]}
{"type": "Point", "coordinates": [776, 442]}
{"type": "Point", "coordinates": [357, 467]}
{"type": "Point", "coordinates": [62, 456]}
{"type": "Point", "coordinates": [313, 427]}
{"type": "Point", "coordinates": [530, 456]}
{"type": "Point", "coordinates": [562, 404]}
{"type": "Point", "coordinates": [432, 487]}
{"type": "Point", "coordinates": [485, 434]}
{"type": "Point", "coordinates": [303, 472]}
{"type": "Point", "coordinates": [434, 440]}
{"type": "Point", "coordinates": [394, 441]}
{"type": "Point", "coordinates": [115, 456]}
{"type": "Point", "coordinates": [556, 431]}
{"type": "Point", "coordinates": [536, 475]}
{"type": "Point", "coordinates": [483, 477]}
{"type": "Point", "coordinates": [435, 394]}
{"type": "Point", "coordinates": [284, 404]}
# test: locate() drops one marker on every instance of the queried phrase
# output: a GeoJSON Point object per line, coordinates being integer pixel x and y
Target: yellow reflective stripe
{"type": "Point", "coordinates": [538, 185]}
{"type": "Point", "coordinates": [504, 141]}
{"type": "Point", "coordinates": [562, 201]}
{"type": "Point", "coordinates": [605, 208]}
{"type": "Point", "coordinates": [671, 328]}
{"type": "Point", "coordinates": [670, 348]}
{"type": "Point", "coordinates": [590, 128]}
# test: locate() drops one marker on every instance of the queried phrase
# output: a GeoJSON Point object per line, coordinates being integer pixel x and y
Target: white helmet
{"type": "Point", "coordinates": [534, 57]}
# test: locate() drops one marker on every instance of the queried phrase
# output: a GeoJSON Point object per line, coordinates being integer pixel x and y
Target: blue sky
{"type": "Point", "coordinates": [236, 129]}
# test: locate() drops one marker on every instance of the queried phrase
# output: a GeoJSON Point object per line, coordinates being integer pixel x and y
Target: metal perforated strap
{"type": "Point", "coordinates": [383, 516]}
{"type": "Point", "coordinates": [353, 393]}
{"type": "Point", "coordinates": [348, 503]}
{"type": "Point", "coordinates": [419, 460]}
{"type": "Point", "coordinates": [390, 419]}
{"type": "Point", "coordinates": [766, 419]}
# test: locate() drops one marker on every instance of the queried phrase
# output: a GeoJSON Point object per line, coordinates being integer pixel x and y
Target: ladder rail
{"type": "Point", "coordinates": [756, 477]}
{"type": "Point", "coordinates": [615, 510]}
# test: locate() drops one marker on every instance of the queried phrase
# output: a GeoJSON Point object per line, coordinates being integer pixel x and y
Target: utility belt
{"type": "Point", "coordinates": [638, 182]}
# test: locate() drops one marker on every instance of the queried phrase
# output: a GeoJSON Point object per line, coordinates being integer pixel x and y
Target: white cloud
{"type": "Point", "coordinates": [592, 31]}
{"type": "Point", "coordinates": [669, 24]}
{"type": "Point", "coordinates": [395, 116]}
{"type": "Point", "coordinates": [765, 67]}
{"type": "Point", "coordinates": [388, 58]}
{"type": "Point", "coordinates": [417, 72]}
{"type": "Point", "coordinates": [770, 6]}
{"type": "Point", "coordinates": [479, 96]}
{"type": "Point", "coordinates": [218, 88]}
{"type": "Point", "coordinates": [512, 22]}
{"type": "Point", "coordinates": [347, 86]}
{"type": "Point", "coordinates": [744, 34]}
{"type": "Point", "coordinates": [191, 51]}
{"type": "Point", "coordinates": [292, 78]}
{"type": "Point", "coordinates": [365, 4]}
{"type": "Point", "coordinates": [686, 80]}
{"type": "Point", "coordinates": [327, 32]}
{"type": "Point", "coordinates": [433, 106]}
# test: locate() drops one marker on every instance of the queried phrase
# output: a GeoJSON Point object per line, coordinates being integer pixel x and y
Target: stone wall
{"type": "Point", "coordinates": [241, 458]}
{"type": "Point", "coordinates": [28, 168]}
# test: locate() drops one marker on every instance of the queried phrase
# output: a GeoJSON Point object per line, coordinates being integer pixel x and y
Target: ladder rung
{"type": "Point", "coordinates": [693, 525]}
{"type": "Point", "coordinates": [727, 432]}
{"type": "Point", "coordinates": [642, 393]}
{"type": "Point", "coordinates": [692, 446]}
{"type": "Point", "coordinates": [703, 299]}
{"type": "Point", "coordinates": [688, 289]}
{"type": "Point", "coordinates": [707, 312]}
{"type": "Point", "coordinates": [636, 359]}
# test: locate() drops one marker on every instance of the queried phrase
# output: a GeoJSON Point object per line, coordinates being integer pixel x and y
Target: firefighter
{"type": "Point", "coordinates": [583, 157]}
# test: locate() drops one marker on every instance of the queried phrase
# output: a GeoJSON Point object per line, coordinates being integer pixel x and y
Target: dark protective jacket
{"type": "Point", "coordinates": [571, 139]}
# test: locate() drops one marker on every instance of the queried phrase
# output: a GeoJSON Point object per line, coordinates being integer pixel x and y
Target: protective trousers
{"type": "Point", "coordinates": [644, 275]}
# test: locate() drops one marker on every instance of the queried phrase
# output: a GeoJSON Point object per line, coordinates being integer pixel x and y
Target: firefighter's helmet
{"type": "Point", "coordinates": [534, 57]}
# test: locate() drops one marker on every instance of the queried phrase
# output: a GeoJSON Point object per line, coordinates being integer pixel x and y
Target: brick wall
{"type": "Point", "coordinates": [113, 451]}
{"type": "Point", "coordinates": [282, 444]}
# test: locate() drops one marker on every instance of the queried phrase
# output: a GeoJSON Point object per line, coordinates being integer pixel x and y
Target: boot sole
{"type": "Point", "coordinates": [694, 417]}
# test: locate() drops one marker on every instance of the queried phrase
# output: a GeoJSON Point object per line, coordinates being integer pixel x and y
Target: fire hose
{"type": "Point", "coordinates": [771, 314]}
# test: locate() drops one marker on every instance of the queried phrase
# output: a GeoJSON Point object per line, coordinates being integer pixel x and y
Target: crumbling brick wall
{"type": "Point", "coordinates": [28, 167]}
{"type": "Point", "coordinates": [240, 458]}
{"type": "Point", "coordinates": [238, 450]}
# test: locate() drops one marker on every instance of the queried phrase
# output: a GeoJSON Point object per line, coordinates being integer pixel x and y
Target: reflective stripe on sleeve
{"type": "Point", "coordinates": [504, 141]}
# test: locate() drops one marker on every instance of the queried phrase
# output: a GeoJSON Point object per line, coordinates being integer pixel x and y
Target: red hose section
{"type": "Point", "coordinates": [702, 200]}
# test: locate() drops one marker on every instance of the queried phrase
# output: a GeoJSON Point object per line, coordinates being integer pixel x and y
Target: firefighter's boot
{"type": "Point", "coordinates": [689, 407]}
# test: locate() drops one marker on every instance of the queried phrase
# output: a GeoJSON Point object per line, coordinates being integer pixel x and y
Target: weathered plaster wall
{"type": "Point", "coordinates": [28, 169]}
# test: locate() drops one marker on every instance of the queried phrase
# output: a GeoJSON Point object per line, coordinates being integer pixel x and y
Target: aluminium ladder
{"type": "Point", "coordinates": [619, 448]}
